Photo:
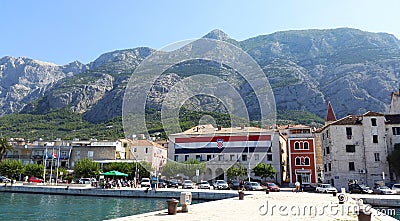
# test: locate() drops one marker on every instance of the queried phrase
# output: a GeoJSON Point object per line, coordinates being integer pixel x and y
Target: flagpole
{"type": "Point", "coordinates": [51, 168]}
{"type": "Point", "coordinates": [44, 168]}
{"type": "Point", "coordinates": [58, 163]}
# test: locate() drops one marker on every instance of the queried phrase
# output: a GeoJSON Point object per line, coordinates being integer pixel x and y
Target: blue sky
{"type": "Point", "coordinates": [63, 31]}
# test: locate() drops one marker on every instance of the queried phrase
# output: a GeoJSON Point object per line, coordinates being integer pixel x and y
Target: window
{"type": "Point", "coordinates": [325, 167]}
{"type": "Point", "coordinates": [220, 157]}
{"type": "Point", "coordinates": [350, 148]}
{"type": "Point", "coordinates": [323, 136]}
{"type": "Point", "coordinates": [297, 161]}
{"type": "Point", "coordinates": [269, 157]}
{"type": "Point", "coordinates": [373, 121]}
{"type": "Point", "coordinates": [186, 157]}
{"type": "Point", "coordinates": [64, 153]}
{"type": "Point", "coordinates": [307, 161]}
{"type": "Point", "coordinates": [377, 157]}
{"type": "Point", "coordinates": [146, 150]}
{"type": "Point", "coordinates": [328, 151]}
{"type": "Point", "coordinates": [327, 133]}
{"type": "Point", "coordinates": [396, 130]}
{"type": "Point", "coordinates": [351, 166]}
{"type": "Point", "coordinates": [256, 157]}
{"type": "Point", "coordinates": [244, 157]}
{"type": "Point", "coordinates": [269, 150]}
{"type": "Point", "coordinates": [329, 166]}
{"type": "Point", "coordinates": [349, 132]}
{"type": "Point", "coordinates": [176, 158]}
{"type": "Point", "coordinates": [208, 157]}
{"type": "Point", "coordinates": [306, 145]}
{"type": "Point", "coordinates": [296, 145]}
{"type": "Point", "coordinates": [375, 138]}
{"type": "Point", "coordinates": [232, 157]}
{"type": "Point", "coordinates": [90, 154]}
{"type": "Point", "coordinates": [198, 158]}
{"type": "Point", "coordinates": [135, 149]}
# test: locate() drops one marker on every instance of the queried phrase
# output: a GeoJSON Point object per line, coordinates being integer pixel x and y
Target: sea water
{"type": "Point", "coordinates": [23, 206]}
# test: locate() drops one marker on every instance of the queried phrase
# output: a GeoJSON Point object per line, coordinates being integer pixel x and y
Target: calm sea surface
{"type": "Point", "coordinates": [21, 206]}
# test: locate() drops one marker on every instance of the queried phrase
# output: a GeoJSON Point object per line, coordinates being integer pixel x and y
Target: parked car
{"type": "Point", "coordinates": [4, 179]}
{"type": "Point", "coordinates": [221, 185]}
{"type": "Point", "coordinates": [356, 188]}
{"type": "Point", "coordinates": [187, 184]}
{"type": "Point", "coordinates": [325, 188]}
{"type": "Point", "coordinates": [382, 190]}
{"type": "Point", "coordinates": [86, 180]}
{"type": "Point", "coordinates": [396, 188]}
{"type": "Point", "coordinates": [272, 187]}
{"type": "Point", "coordinates": [35, 180]}
{"type": "Point", "coordinates": [145, 182]}
{"type": "Point", "coordinates": [162, 183]}
{"type": "Point", "coordinates": [252, 186]}
{"type": "Point", "coordinates": [203, 185]}
{"type": "Point", "coordinates": [234, 185]}
{"type": "Point", "coordinates": [307, 187]}
{"type": "Point", "coordinates": [173, 184]}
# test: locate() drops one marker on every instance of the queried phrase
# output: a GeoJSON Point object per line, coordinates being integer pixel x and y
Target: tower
{"type": "Point", "coordinates": [330, 114]}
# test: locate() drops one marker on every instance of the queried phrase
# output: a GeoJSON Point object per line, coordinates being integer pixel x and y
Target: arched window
{"type": "Point", "coordinates": [306, 145]}
{"type": "Point", "coordinates": [296, 145]}
{"type": "Point", "coordinates": [298, 161]}
{"type": "Point", "coordinates": [307, 161]}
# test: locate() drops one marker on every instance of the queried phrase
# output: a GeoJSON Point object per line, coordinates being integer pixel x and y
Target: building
{"type": "Point", "coordinates": [355, 150]}
{"type": "Point", "coordinates": [99, 151]}
{"type": "Point", "coordinates": [148, 151]}
{"type": "Point", "coordinates": [301, 154]}
{"type": "Point", "coordinates": [223, 147]}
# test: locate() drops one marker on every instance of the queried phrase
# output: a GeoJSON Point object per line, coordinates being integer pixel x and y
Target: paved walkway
{"type": "Point", "coordinates": [260, 206]}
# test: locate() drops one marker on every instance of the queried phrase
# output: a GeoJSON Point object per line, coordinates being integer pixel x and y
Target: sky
{"type": "Point", "coordinates": [64, 31]}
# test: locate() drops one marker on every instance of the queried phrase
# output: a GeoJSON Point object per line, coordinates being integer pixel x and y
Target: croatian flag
{"type": "Point", "coordinates": [54, 155]}
{"type": "Point", "coordinates": [220, 143]}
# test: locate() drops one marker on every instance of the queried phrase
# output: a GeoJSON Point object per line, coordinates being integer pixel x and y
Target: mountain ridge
{"type": "Point", "coordinates": [354, 69]}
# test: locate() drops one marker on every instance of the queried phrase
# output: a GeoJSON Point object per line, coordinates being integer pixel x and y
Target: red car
{"type": "Point", "coordinates": [35, 180]}
{"type": "Point", "coordinates": [272, 187]}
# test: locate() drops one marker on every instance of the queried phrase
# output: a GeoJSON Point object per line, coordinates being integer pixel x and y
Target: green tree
{"type": "Point", "coordinates": [34, 170]}
{"type": "Point", "coordinates": [11, 168]}
{"type": "Point", "coordinates": [235, 171]}
{"type": "Point", "coordinates": [190, 166]}
{"type": "Point", "coordinates": [144, 169]}
{"type": "Point", "coordinates": [4, 147]}
{"type": "Point", "coordinates": [171, 169]}
{"type": "Point", "coordinates": [127, 168]}
{"type": "Point", "coordinates": [394, 160]}
{"type": "Point", "coordinates": [86, 168]}
{"type": "Point", "coordinates": [264, 170]}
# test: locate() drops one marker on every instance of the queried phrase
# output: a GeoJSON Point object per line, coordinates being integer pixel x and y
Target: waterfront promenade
{"type": "Point", "coordinates": [257, 205]}
{"type": "Point", "coordinates": [260, 206]}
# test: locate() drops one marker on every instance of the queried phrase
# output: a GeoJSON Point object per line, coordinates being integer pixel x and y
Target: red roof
{"type": "Point", "coordinates": [330, 115]}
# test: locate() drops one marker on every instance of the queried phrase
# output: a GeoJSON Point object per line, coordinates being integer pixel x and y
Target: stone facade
{"type": "Point", "coordinates": [355, 149]}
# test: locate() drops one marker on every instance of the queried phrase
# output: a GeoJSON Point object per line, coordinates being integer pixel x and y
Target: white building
{"type": "Point", "coordinates": [223, 147]}
{"type": "Point", "coordinates": [355, 149]}
{"type": "Point", "coordinates": [148, 151]}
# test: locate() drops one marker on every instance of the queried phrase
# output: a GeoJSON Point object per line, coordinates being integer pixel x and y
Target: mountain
{"type": "Point", "coordinates": [22, 80]}
{"type": "Point", "coordinates": [354, 69]}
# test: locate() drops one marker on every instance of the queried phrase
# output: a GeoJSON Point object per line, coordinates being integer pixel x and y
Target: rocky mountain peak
{"type": "Point", "coordinates": [217, 34]}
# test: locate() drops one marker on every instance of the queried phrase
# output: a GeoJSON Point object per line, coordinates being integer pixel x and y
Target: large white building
{"type": "Point", "coordinates": [223, 147]}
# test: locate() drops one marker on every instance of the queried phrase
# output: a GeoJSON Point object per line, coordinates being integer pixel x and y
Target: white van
{"type": "Point", "coordinates": [145, 182]}
{"type": "Point", "coordinates": [396, 188]}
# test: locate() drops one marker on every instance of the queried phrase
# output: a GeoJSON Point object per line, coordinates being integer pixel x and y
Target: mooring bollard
{"type": "Point", "coordinates": [172, 206]}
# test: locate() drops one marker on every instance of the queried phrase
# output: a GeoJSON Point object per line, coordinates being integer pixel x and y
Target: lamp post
{"type": "Point", "coordinates": [248, 160]}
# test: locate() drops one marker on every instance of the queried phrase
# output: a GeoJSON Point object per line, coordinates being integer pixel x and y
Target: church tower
{"type": "Point", "coordinates": [330, 114]}
{"type": "Point", "coordinates": [395, 103]}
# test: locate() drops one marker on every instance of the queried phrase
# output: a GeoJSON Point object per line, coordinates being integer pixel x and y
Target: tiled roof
{"type": "Point", "coordinates": [373, 114]}
{"type": "Point", "coordinates": [392, 118]}
{"type": "Point", "coordinates": [348, 120]}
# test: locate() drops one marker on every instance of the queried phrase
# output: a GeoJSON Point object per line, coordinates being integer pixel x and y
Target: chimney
{"type": "Point", "coordinates": [219, 127]}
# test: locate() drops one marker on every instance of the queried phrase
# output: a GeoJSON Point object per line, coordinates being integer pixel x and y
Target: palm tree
{"type": "Point", "coordinates": [4, 147]}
